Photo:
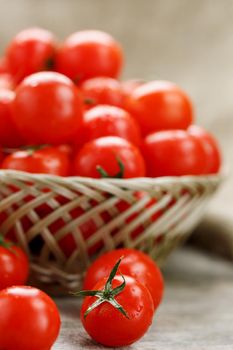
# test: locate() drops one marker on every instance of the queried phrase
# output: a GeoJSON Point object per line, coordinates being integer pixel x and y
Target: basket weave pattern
{"type": "Point", "coordinates": [64, 223]}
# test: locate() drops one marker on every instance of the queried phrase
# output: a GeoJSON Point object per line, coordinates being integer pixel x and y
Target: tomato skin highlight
{"type": "Point", "coordinates": [47, 109]}
{"type": "Point", "coordinates": [14, 267]}
{"type": "Point", "coordinates": [88, 54]}
{"type": "Point", "coordinates": [173, 153]}
{"type": "Point", "coordinates": [108, 326]}
{"type": "Point", "coordinates": [102, 90]}
{"type": "Point", "coordinates": [135, 264]}
{"type": "Point", "coordinates": [105, 120]}
{"type": "Point", "coordinates": [160, 105]}
{"type": "Point", "coordinates": [211, 148]}
{"type": "Point", "coordinates": [104, 152]}
{"type": "Point", "coordinates": [30, 51]}
{"type": "Point", "coordinates": [29, 319]}
{"type": "Point", "coordinates": [47, 160]}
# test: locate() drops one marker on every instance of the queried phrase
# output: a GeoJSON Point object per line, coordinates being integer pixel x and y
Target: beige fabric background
{"type": "Point", "coordinates": [189, 42]}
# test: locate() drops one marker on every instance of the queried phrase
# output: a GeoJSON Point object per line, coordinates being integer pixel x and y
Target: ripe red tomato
{"type": "Point", "coordinates": [107, 120]}
{"type": "Point", "coordinates": [14, 265]}
{"type": "Point", "coordinates": [135, 264]}
{"type": "Point", "coordinates": [104, 90]}
{"type": "Point", "coordinates": [210, 146]}
{"type": "Point", "coordinates": [87, 54]}
{"type": "Point", "coordinates": [160, 105]}
{"type": "Point", "coordinates": [173, 153]}
{"type": "Point", "coordinates": [107, 325]}
{"type": "Point", "coordinates": [31, 50]}
{"type": "Point", "coordinates": [107, 153]}
{"type": "Point", "coordinates": [29, 319]}
{"type": "Point", "coordinates": [45, 160]}
{"type": "Point", "coordinates": [47, 108]}
{"type": "Point", "coordinates": [9, 135]}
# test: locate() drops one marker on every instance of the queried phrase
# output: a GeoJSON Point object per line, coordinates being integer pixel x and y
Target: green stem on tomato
{"type": "Point", "coordinates": [108, 294]}
{"type": "Point", "coordinates": [30, 149]}
{"type": "Point", "coordinates": [118, 175]}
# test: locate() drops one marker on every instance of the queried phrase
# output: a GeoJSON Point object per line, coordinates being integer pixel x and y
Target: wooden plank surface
{"type": "Point", "coordinates": [196, 314]}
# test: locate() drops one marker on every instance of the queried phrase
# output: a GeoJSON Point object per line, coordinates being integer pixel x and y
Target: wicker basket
{"type": "Point", "coordinates": [64, 223]}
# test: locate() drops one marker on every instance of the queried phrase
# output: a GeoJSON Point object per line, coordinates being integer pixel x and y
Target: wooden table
{"type": "Point", "coordinates": [196, 314]}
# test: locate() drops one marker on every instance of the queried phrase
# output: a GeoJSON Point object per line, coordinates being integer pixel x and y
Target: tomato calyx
{"type": "Point", "coordinates": [108, 294]}
{"type": "Point", "coordinates": [49, 63]}
{"type": "Point", "coordinates": [6, 244]}
{"type": "Point", "coordinates": [104, 174]}
{"type": "Point", "coordinates": [89, 101]}
{"type": "Point", "coordinates": [29, 149]}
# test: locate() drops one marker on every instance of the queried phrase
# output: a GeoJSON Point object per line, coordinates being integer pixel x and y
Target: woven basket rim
{"type": "Point", "coordinates": [149, 180]}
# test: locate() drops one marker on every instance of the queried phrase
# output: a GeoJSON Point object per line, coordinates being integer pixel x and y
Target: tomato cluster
{"type": "Point", "coordinates": [29, 318]}
{"type": "Point", "coordinates": [70, 94]}
{"type": "Point", "coordinates": [122, 289]}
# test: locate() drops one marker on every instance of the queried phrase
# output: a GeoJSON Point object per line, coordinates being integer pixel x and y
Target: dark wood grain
{"type": "Point", "coordinates": [196, 314]}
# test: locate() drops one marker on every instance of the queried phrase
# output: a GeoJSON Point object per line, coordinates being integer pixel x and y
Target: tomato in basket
{"type": "Point", "coordinates": [104, 120]}
{"type": "Point", "coordinates": [88, 54]}
{"type": "Point", "coordinates": [109, 157]}
{"type": "Point", "coordinates": [211, 148]}
{"type": "Point", "coordinates": [30, 51]}
{"type": "Point", "coordinates": [47, 109]}
{"type": "Point", "coordinates": [39, 160]}
{"type": "Point", "coordinates": [173, 153]}
{"type": "Point", "coordinates": [102, 90]}
{"type": "Point", "coordinates": [160, 105]}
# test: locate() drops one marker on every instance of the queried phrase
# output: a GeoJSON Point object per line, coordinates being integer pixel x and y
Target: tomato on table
{"type": "Point", "coordinates": [88, 54]}
{"type": "Point", "coordinates": [160, 105]}
{"type": "Point", "coordinates": [39, 160]}
{"type": "Point", "coordinates": [14, 265]}
{"type": "Point", "coordinates": [102, 90]}
{"type": "Point", "coordinates": [47, 109]}
{"type": "Point", "coordinates": [109, 156]}
{"type": "Point", "coordinates": [31, 50]}
{"type": "Point", "coordinates": [211, 148]}
{"type": "Point", "coordinates": [104, 120]}
{"type": "Point", "coordinates": [117, 311]}
{"type": "Point", "coordinates": [9, 135]}
{"type": "Point", "coordinates": [173, 153]}
{"type": "Point", "coordinates": [29, 319]}
{"type": "Point", "coordinates": [135, 264]}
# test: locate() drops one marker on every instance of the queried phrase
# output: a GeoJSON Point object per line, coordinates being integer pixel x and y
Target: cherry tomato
{"type": "Point", "coordinates": [9, 135]}
{"type": "Point", "coordinates": [32, 50]}
{"type": "Point", "coordinates": [106, 91]}
{"type": "Point", "coordinates": [107, 325]}
{"type": "Point", "coordinates": [173, 153]}
{"type": "Point", "coordinates": [45, 160]}
{"type": "Point", "coordinates": [160, 105]}
{"type": "Point", "coordinates": [14, 265]}
{"type": "Point", "coordinates": [47, 109]}
{"type": "Point", "coordinates": [109, 157]}
{"type": "Point", "coordinates": [29, 319]}
{"type": "Point", "coordinates": [135, 264]}
{"type": "Point", "coordinates": [210, 146]}
{"type": "Point", "coordinates": [106, 120]}
{"type": "Point", "coordinates": [87, 54]}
